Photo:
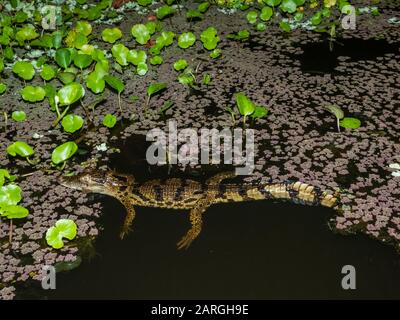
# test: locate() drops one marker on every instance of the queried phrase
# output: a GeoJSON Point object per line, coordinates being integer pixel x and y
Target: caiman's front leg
{"type": "Point", "coordinates": [196, 219]}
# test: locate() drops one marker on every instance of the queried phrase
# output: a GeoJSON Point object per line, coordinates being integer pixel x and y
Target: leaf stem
{"type": "Point", "coordinates": [59, 118]}
{"type": "Point", "coordinates": [338, 124]}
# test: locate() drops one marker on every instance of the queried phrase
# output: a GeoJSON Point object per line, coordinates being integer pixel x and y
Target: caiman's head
{"type": "Point", "coordinates": [92, 181]}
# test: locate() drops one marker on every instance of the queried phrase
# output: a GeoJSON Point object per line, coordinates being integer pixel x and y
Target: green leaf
{"type": "Point", "coordinates": [241, 35]}
{"type": "Point", "coordinates": [4, 174]}
{"type": "Point", "coordinates": [156, 60]}
{"type": "Point", "coordinates": [288, 6]}
{"type": "Point", "coordinates": [155, 87]}
{"type": "Point", "coordinates": [64, 228]}
{"type": "Point", "coordinates": [3, 88]}
{"type": "Point", "coordinates": [266, 13]}
{"type": "Point", "coordinates": [215, 53]}
{"type": "Point", "coordinates": [141, 33]}
{"type": "Point", "coordinates": [203, 7]}
{"type": "Point", "coordinates": [164, 11]}
{"type": "Point", "coordinates": [10, 195]}
{"type": "Point", "coordinates": [63, 57]}
{"type": "Point", "coordinates": [109, 120]}
{"type": "Point", "coordinates": [72, 123]}
{"type": "Point", "coordinates": [206, 79]}
{"type": "Point", "coordinates": [24, 70]}
{"type": "Point", "coordinates": [26, 33]}
{"type": "Point", "coordinates": [151, 26]}
{"type": "Point", "coordinates": [168, 104]}
{"type": "Point", "coordinates": [186, 40]}
{"type": "Point", "coordinates": [70, 93]}
{"type": "Point", "coordinates": [83, 61]}
{"type": "Point", "coordinates": [115, 83]}
{"type": "Point", "coordinates": [272, 3]}
{"type": "Point", "coordinates": [350, 123]}
{"type": "Point", "coordinates": [165, 39]}
{"type": "Point", "coordinates": [18, 116]}
{"type": "Point", "coordinates": [193, 14]}
{"type": "Point", "coordinates": [63, 152]}
{"type": "Point", "coordinates": [252, 17]}
{"type": "Point", "coordinates": [14, 212]}
{"type": "Point", "coordinates": [66, 77]}
{"type": "Point", "coordinates": [142, 68]}
{"type": "Point", "coordinates": [245, 105]}
{"type": "Point", "coordinates": [83, 27]}
{"type": "Point", "coordinates": [209, 38]}
{"type": "Point", "coordinates": [33, 94]}
{"type": "Point", "coordinates": [111, 35]}
{"type": "Point", "coordinates": [259, 112]}
{"type": "Point", "coordinates": [285, 26]}
{"type": "Point", "coordinates": [95, 82]}
{"type": "Point", "coordinates": [336, 111]}
{"type": "Point", "coordinates": [316, 19]}
{"type": "Point", "coordinates": [121, 54]}
{"type": "Point", "coordinates": [21, 149]}
{"type": "Point", "coordinates": [47, 72]}
{"type": "Point", "coordinates": [180, 64]}
{"type": "Point", "coordinates": [135, 57]}
{"type": "Point", "coordinates": [260, 26]}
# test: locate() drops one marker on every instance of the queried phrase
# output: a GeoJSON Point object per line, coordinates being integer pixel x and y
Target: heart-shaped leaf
{"type": "Point", "coordinates": [47, 72]}
{"type": "Point", "coordinates": [186, 40]}
{"type": "Point", "coordinates": [111, 35]}
{"type": "Point", "coordinates": [21, 149]}
{"type": "Point", "coordinates": [180, 64]}
{"type": "Point", "coordinates": [141, 33]}
{"type": "Point", "coordinates": [63, 152]}
{"type": "Point", "coordinates": [109, 120]}
{"type": "Point", "coordinates": [121, 54]}
{"type": "Point", "coordinates": [209, 38]}
{"type": "Point", "coordinates": [33, 94]}
{"type": "Point", "coordinates": [82, 61]}
{"type": "Point", "coordinates": [155, 87]}
{"type": "Point", "coordinates": [115, 83]}
{"type": "Point", "coordinates": [14, 212]}
{"type": "Point", "coordinates": [10, 195]}
{"type": "Point", "coordinates": [95, 82]}
{"type": "Point", "coordinates": [63, 57]}
{"type": "Point", "coordinates": [18, 116]}
{"type": "Point", "coordinates": [164, 11]}
{"type": "Point", "coordinates": [24, 70]}
{"type": "Point", "coordinates": [245, 105]}
{"type": "Point", "coordinates": [350, 123]}
{"type": "Point", "coordinates": [70, 93]}
{"type": "Point", "coordinates": [64, 228]}
{"type": "Point", "coordinates": [72, 123]}
{"type": "Point", "coordinates": [266, 13]}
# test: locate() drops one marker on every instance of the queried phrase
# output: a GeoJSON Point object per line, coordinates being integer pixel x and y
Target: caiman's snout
{"type": "Point", "coordinates": [72, 182]}
{"type": "Point", "coordinates": [87, 182]}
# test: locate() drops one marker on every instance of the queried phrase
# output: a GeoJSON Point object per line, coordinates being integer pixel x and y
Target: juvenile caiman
{"type": "Point", "coordinates": [188, 194]}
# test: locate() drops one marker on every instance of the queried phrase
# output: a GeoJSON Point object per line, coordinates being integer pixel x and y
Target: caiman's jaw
{"type": "Point", "coordinates": [87, 182]}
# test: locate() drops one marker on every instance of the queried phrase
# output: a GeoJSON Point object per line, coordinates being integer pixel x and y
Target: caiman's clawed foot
{"type": "Point", "coordinates": [127, 227]}
{"type": "Point", "coordinates": [197, 221]}
{"type": "Point", "coordinates": [187, 240]}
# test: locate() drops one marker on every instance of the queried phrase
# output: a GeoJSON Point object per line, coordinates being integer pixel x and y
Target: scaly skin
{"type": "Point", "coordinates": [189, 194]}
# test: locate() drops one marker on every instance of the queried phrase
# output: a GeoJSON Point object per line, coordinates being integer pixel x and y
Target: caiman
{"type": "Point", "coordinates": [189, 194]}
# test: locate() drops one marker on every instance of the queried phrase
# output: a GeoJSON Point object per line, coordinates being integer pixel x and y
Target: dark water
{"type": "Point", "coordinates": [318, 57]}
{"type": "Point", "coordinates": [258, 250]}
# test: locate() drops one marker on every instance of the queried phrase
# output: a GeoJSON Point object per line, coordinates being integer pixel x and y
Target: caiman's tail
{"type": "Point", "coordinates": [296, 192]}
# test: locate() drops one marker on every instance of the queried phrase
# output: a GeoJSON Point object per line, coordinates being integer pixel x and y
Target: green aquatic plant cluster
{"type": "Point", "coordinates": [10, 197]}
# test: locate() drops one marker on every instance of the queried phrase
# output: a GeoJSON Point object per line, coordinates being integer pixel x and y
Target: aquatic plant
{"type": "Point", "coordinates": [248, 108]}
{"type": "Point", "coordinates": [22, 149]}
{"type": "Point", "coordinates": [18, 116]}
{"type": "Point", "coordinates": [186, 40]}
{"type": "Point", "coordinates": [341, 120]}
{"type": "Point", "coordinates": [72, 123]}
{"type": "Point", "coordinates": [111, 35]}
{"type": "Point", "coordinates": [63, 152]}
{"type": "Point", "coordinates": [152, 89]}
{"type": "Point", "coordinates": [10, 196]}
{"type": "Point", "coordinates": [117, 85]}
{"type": "Point", "coordinates": [63, 228]}
{"type": "Point", "coordinates": [24, 70]}
{"type": "Point", "coordinates": [109, 120]}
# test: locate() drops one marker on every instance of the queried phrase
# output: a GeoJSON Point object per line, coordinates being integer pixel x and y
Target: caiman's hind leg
{"type": "Point", "coordinates": [218, 178]}
{"type": "Point", "coordinates": [130, 216]}
{"type": "Point", "coordinates": [196, 219]}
